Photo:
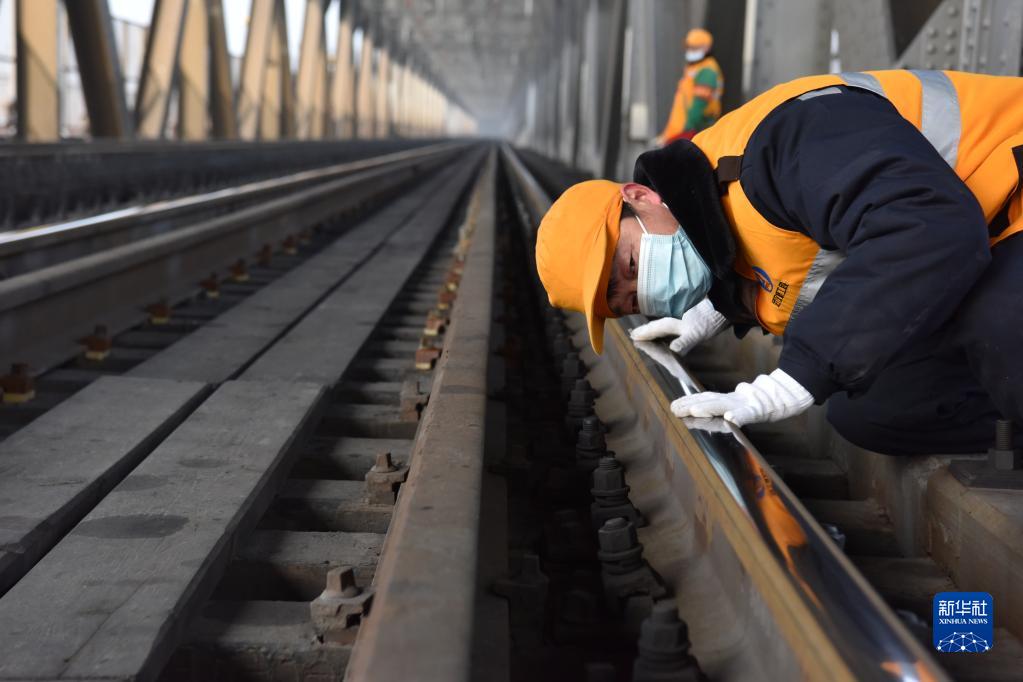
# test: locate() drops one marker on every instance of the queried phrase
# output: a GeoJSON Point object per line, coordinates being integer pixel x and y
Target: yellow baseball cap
{"type": "Point", "coordinates": [699, 37]}
{"type": "Point", "coordinates": [575, 246]}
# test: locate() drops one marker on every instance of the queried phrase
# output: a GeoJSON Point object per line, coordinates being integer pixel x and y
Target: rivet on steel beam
{"type": "Point", "coordinates": [289, 245]}
{"type": "Point", "coordinates": [664, 648]}
{"type": "Point", "coordinates": [98, 344]}
{"type": "Point", "coordinates": [159, 312]}
{"type": "Point", "coordinates": [239, 271]}
{"type": "Point", "coordinates": [211, 286]}
{"type": "Point", "coordinates": [18, 386]}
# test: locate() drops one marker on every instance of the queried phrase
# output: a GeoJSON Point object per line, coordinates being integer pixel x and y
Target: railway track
{"type": "Point", "coordinates": [171, 454]}
{"type": "Point", "coordinates": [377, 454]}
{"type": "Point", "coordinates": [44, 183]}
{"type": "Point", "coordinates": [108, 269]}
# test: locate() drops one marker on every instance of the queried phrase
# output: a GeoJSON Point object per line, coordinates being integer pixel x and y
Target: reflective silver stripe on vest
{"type": "Point", "coordinates": [817, 93]}
{"type": "Point", "coordinates": [941, 122]}
{"type": "Point", "coordinates": [858, 79]}
{"type": "Point", "coordinates": [823, 265]}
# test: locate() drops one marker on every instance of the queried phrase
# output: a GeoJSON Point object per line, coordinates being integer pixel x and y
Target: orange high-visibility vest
{"type": "Point", "coordinates": [687, 90]}
{"type": "Point", "coordinates": [974, 121]}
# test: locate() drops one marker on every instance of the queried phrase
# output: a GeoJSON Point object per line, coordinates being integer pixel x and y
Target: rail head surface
{"type": "Point", "coordinates": [835, 624]}
{"type": "Point", "coordinates": [421, 625]}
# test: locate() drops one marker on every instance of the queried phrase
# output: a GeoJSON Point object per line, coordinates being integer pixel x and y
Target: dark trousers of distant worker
{"type": "Point", "coordinates": [943, 395]}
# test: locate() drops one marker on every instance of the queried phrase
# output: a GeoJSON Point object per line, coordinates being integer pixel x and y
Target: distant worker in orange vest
{"type": "Point", "coordinates": [873, 220]}
{"type": "Point", "coordinates": [698, 97]}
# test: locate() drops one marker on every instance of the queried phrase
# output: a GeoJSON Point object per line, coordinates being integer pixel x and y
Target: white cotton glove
{"type": "Point", "coordinates": [698, 324]}
{"type": "Point", "coordinates": [770, 398]}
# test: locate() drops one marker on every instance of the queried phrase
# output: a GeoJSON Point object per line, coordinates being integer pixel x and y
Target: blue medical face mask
{"type": "Point", "coordinates": [672, 276]}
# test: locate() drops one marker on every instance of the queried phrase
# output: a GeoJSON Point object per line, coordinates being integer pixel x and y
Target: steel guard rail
{"type": "Point", "coordinates": [834, 623]}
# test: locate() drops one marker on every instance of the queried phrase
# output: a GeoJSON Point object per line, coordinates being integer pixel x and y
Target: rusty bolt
{"type": "Point", "coordinates": [340, 607]}
{"type": "Point", "coordinates": [239, 271]}
{"type": "Point", "coordinates": [289, 245]}
{"type": "Point", "coordinates": [384, 479]}
{"type": "Point", "coordinates": [445, 299]}
{"type": "Point", "coordinates": [341, 583]}
{"type": "Point", "coordinates": [383, 464]}
{"type": "Point", "coordinates": [266, 254]}
{"type": "Point", "coordinates": [452, 281]}
{"type": "Point", "coordinates": [159, 312]}
{"type": "Point", "coordinates": [426, 357]}
{"type": "Point", "coordinates": [211, 286]}
{"type": "Point", "coordinates": [18, 386]}
{"type": "Point", "coordinates": [98, 344]}
{"type": "Point", "coordinates": [434, 325]}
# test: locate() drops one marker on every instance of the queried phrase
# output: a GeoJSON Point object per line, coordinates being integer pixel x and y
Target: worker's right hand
{"type": "Point", "coordinates": [699, 323]}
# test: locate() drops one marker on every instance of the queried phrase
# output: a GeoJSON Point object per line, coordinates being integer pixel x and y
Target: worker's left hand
{"type": "Point", "coordinates": [770, 398]}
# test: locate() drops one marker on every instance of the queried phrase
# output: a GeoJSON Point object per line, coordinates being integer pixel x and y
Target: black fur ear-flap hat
{"type": "Point", "coordinates": [683, 176]}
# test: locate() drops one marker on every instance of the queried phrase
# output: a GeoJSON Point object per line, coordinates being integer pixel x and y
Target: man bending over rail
{"type": "Point", "coordinates": [871, 218]}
